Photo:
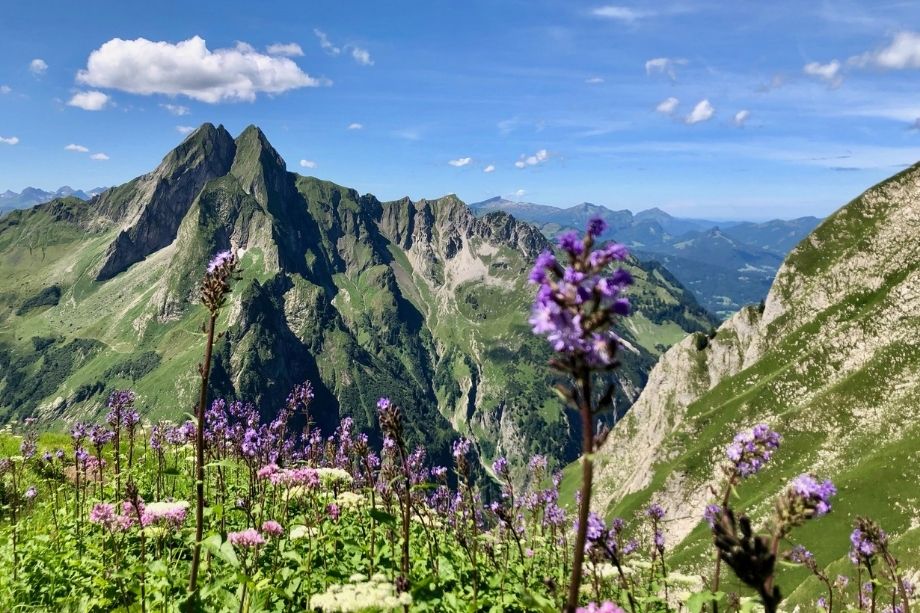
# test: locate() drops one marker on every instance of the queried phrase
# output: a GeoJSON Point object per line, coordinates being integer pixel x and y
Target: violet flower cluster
{"type": "Point", "coordinates": [577, 300]}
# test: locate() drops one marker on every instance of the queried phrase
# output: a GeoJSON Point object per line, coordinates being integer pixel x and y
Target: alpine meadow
{"type": "Point", "coordinates": [229, 386]}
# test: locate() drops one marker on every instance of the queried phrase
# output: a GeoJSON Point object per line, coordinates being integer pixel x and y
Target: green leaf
{"type": "Point", "coordinates": [383, 517]}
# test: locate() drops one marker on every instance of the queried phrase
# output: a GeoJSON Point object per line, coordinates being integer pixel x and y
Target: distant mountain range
{"type": "Point", "coordinates": [726, 264]}
{"type": "Point", "coordinates": [30, 196]}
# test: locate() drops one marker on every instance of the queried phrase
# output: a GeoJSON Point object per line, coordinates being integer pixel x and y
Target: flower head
{"type": "Point", "coordinates": [272, 528]}
{"type": "Point", "coordinates": [248, 538]}
{"type": "Point", "coordinates": [752, 449]}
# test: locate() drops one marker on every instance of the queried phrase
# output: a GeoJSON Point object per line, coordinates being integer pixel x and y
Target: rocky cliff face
{"type": "Point", "coordinates": [831, 363]}
{"type": "Point", "coordinates": [420, 301]}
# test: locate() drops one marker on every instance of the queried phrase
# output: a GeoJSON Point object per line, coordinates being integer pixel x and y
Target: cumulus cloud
{"type": "Point", "coordinates": [285, 49]}
{"type": "Point", "coordinates": [533, 160]}
{"type": "Point", "coordinates": [594, 80]}
{"type": "Point", "coordinates": [325, 43]}
{"type": "Point", "coordinates": [362, 56]}
{"type": "Point", "coordinates": [76, 148]}
{"type": "Point", "coordinates": [741, 117]}
{"type": "Point", "coordinates": [664, 65]}
{"type": "Point", "coordinates": [829, 72]}
{"type": "Point", "coordinates": [307, 164]}
{"type": "Point", "coordinates": [185, 129]}
{"type": "Point", "coordinates": [5, 89]}
{"type": "Point", "coordinates": [190, 69]}
{"type": "Point", "coordinates": [99, 156]}
{"type": "Point", "coordinates": [9, 140]}
{"type": "Point", "coordinates": [624, 14]}
{"type": "Point", "coordinates": [89, 101]}
{"type": "Point", "coordinates": [355, 126]}
{"type": "Point", "coordinates": [489, 168]}
{"type": "Point", "coordinates": [460, 162]}
{"type": "Point", "coordinates": [38, 66]}
{"type": "Point", "coordinates": [176, 109]}
{"type": "Point", "coordinates": [520, 193]}
{"type": "Point", "coordinates": [668, 105]}
{"type": "Point", "coordinates": [903, 52]}
{"type": "Point", "coordinates": [703, 111]}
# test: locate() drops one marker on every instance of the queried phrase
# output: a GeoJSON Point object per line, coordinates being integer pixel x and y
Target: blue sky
{"type": "Point", "coordinates": [727, 110]}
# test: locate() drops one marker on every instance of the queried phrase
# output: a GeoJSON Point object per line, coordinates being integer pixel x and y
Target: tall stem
{"type": "Point", "coordinates": [587, 474]}
{"type": "Point", "coordinates": [199, 455]}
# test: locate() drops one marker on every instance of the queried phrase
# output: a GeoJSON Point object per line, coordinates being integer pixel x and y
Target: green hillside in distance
{"type": "Point", "coordinates": [420, 301]}
{"type": "Point", "coordinates": [831, 362]}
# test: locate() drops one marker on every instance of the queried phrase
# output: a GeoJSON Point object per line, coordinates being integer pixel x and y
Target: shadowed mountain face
{"type": "Point", "coordinates": [420, 301]}
{"type": "Point", "coordinates": [725, 264]}
{"type": "Point", "coordinates": [830, 361]}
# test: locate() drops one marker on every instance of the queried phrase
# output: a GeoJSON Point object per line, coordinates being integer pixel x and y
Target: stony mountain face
{"type": "Point", "coordinates": [831, 362]}
{"type": "Point", "coordinates": [420, 301]}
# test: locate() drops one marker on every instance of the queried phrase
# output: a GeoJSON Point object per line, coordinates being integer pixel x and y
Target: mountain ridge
{"type": "Point", "coordinates": [418, 300]}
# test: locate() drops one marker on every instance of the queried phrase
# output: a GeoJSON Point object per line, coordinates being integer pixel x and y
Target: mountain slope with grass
{"type": "Point", "coordinates": [420, 301]}
{"type": "Point", "coordinates": [830, 361]}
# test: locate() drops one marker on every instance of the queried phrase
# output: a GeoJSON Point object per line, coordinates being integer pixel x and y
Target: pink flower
{"type": "Point", "coordinates": [272, 528]}
{"type": "Point", "coordinates": [267, 471]}
{"type": "Point", "coordinates": [246, 538]}
{"type": "Point", "coordinates": [102, 514]}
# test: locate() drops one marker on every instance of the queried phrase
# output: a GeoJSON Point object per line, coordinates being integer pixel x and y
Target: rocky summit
{"type": "Point", "coordinates": [421, 301]}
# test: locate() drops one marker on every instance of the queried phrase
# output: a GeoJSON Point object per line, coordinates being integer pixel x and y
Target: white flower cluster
{"type": "Point", "coordinates": [334, 476]}
{"type": "Point", "coordinates": [362, 594]}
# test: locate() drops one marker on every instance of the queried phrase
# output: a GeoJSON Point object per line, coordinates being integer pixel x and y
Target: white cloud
{"type": "Point", "coordinates": [307, 164]}
{"type": "Point", "coordinates": [99, 156]}
{"type": "Point", "coordinates": [176, 109]}
{"type": "Point", "coordinates": [460, 162]}
{"type": "Point", "coordinates": [829, 72]}
{"type": "Point", "coordinates": [38, 66]}
{"type": "Point", "coordinates": [533, 160]}
{"type": "Point", "coordinates": [594, 80]}
{"type": "Point", "coordinates": [185, 129]}
{"type": "Point", "coordinates": [5, 89]}
{"type": "Point", "coordinates": [355, 126]}
{"type": "Point", "coordinates": [668, 105]}
{"type": "Point", "coordinates": [76, 148]}
{"type": "Point", "coordinates": [89, 101]}
{"type": "Point", "coordinates": [9, 140]}
{"type": "Point", "coordinates": [285, 49]}
{"type": "Point", "coordinates": [703, 111]}
{"type": "Point", "coordinates": [325, 43]}
{"type": "Point", "coordinates": [664, 65]}
{"type": "Point", "coordinates": [902, 53]}
{"type": "Point", "coordinates": [189, 68]}
{"type": "Point", "coordinates": [520, 193]}
{"type": "Point", "coordinates": [362, 56]}
{"type": "Point", "coordinates": [489, 168]}
{"type": "Point", "coordinates": [741, 117]}
{"type": "Point", "coordinates": [620, 13]}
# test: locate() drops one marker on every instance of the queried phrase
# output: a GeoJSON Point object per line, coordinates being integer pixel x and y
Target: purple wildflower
{"type": "Point", "coordinates": [596, 226]}
{"type": "Point", "coordinates": [31, 493]}
{"type": "Point", "coordinates": [814, 495]}
{"type": "Point", "coordinates": [752, 449]}
{"type": "Point", "coordinates": [272, 528]}
{"type": "Point", "coordinates": [655, 512]}
{"type": "Point", "coordinates": [604, 607]}
{"type": "Point", "coordinates": [102, 514]}
{"type": "Point", "coordinates": [220, 259]}
{"type": "Point", "coordinates": [248, 538]}
{"type": "Point", "coordinates": [712, 514]}
{"type": "Point", "coordinates": [500, 467]}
